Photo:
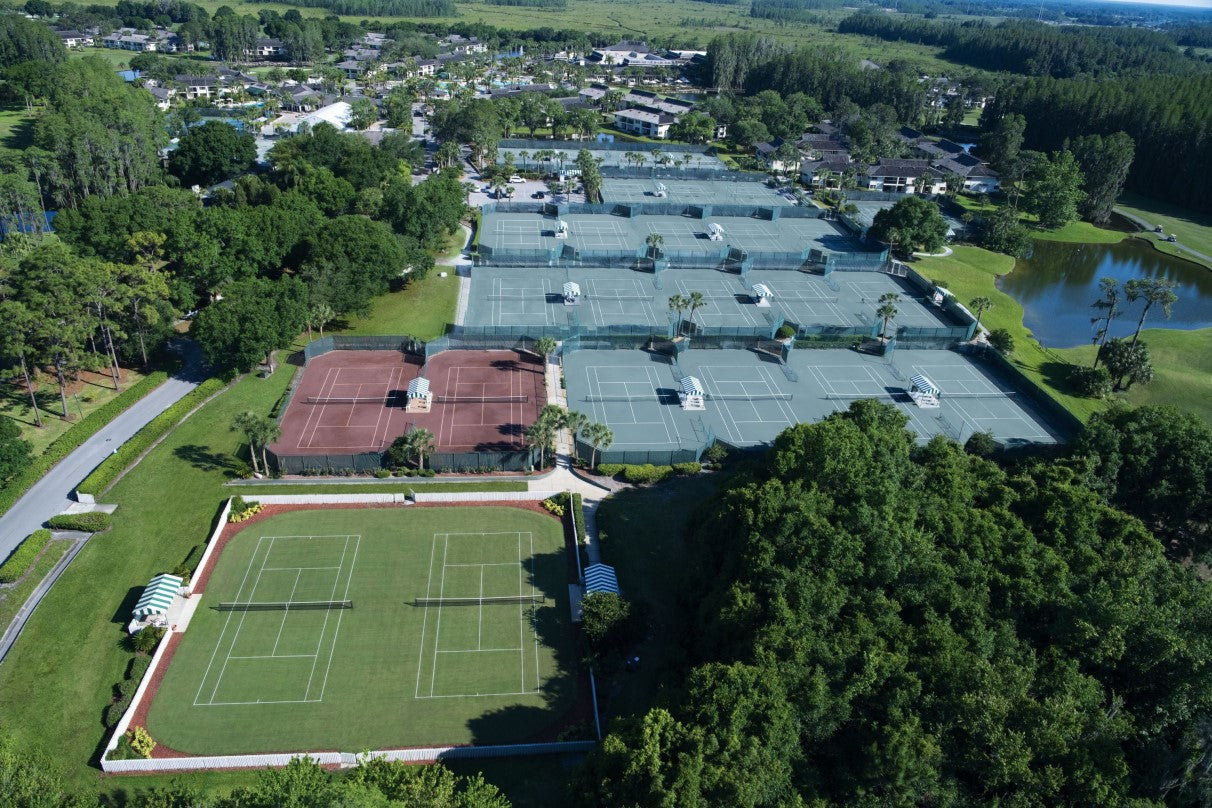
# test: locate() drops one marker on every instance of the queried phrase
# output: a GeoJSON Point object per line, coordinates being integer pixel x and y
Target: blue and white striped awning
{"type": "Point", "coordinates": [923, 385]}
{"type": "Point", "coordinates": [762, 290]}
{"type": "Point", "coordinates": [601, 578]}
{"type": "Point", "coordinates": [418, 388]}
{"type": "Point", "coordinates": [691, 386]}
{"type": "Point", "coordinates": [157, 596]}
{"type": "Point", "coordinates": [572, 289]}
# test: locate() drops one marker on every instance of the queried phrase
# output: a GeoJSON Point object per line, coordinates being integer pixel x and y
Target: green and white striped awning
{"type": "Point", "coordinates": [157, 596]}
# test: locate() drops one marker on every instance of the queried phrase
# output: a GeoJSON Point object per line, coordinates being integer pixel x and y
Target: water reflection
{"type": "Point", "coordinates": [1058, 285]}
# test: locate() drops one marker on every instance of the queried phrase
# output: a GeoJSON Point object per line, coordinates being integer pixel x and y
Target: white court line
{"type": "Point", "coordinates": [534, 630]}
{"type": "Point", "coordinates": [393, 379]}
{"type": "Point", "coordinates": [258, 701]}
{"type": "Point", "coordinates": [478, 650]}
{"type": "Point", "coordinates": [433, 549]}
{"type": "Point", "coordinates": [240, 625]}
{"type": "Point", "coordinates": [285, 614]}
{"type": "Point", "coordinates": [474, 695]}
{"type": "Point", "coordinates": [433, 676]}
{"type": "Point", "coordinates": [230, 615]}
{"type": "Point", "coordinates": [353, 563]}
{"type": "Point", "coordinates": [324, 626]}
{"type": "Point", "coordinates": [284, 569]}
{"type": "Point", "coordinates": [275, 656]}
{"type": "Point", "coordinates": [521, 615]}
{"type": "Point", "coordinates": [487, 564]}
{"type": "Point", "coordinates": [326, 388]}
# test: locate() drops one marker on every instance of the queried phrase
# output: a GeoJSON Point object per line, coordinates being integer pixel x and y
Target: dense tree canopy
{"type": "Point", "coordinates": [349, 260]}
{"type": "Point", "coordinates": [911, 224]}
{"type": "Point", "coordinates": [881, 623]}
{"type": "Point", "coordinates": [23, 40]}
{"type": "Point", "coordinates": [211, 153]}
{"type": "Point", "coordinates": [254, 318]}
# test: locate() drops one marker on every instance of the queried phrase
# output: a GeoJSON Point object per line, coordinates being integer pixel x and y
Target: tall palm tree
{"type": "Point", "coordinates": [546, 346]}
{"type": "Point", "coordinates": [540, 434]}
{"type": "Point", "coordinates": [576, 422]}
{"type": "Point", "coordinates": [887, 310]}
{"type": "Point", "coordinates": [420, 442]}
{"type": "Point", "coordinates": [267, 431]}
{"type": "Point", "coordinates": [694, 303]}
{"type": "Point", "coordinates": [525, 155]}
{"type": "Point", "coordinates": [497, 184]}
{"type": "Point", "coordinates": [599, 437]}
{"type": "Point", "coordinates": [979, 306]}
{"type": "Point", "coordinates": [246, 423]}
{"type": "Point", "coordinates": [654, 242]}
{"type": "Point", "coordinates": [1152, 290]}
{"type": "Point", "coordinates": [1109, 304]}
{"type": "Point", "coordinates": [678, 304]}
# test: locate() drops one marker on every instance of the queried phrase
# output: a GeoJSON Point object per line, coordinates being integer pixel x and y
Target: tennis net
{"type": "Point", "coordinates": [620, 297]}
{"type": "Point", "coordinates": [481, 399]}
{"type": "Point", "coordinates": [487, 601]}
{"type": "Point", "coordinates": [282, 605]}
{"type": "Point", "coordinates": [539, 294]}
{"type": "Point", "coordinates": [754, 397]}
{"type": "Point", "coordinates": [381, 400]}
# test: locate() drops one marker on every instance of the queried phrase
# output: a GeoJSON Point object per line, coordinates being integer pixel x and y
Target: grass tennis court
{"type": "Point", "coordinates": [410, 626]}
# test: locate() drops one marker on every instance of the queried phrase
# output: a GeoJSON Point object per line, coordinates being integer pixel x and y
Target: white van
{"type": "Point", "coordinates": [515, 178]}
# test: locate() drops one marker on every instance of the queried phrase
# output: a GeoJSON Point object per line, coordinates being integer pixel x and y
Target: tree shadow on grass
{"type": "Point", "coordinates": [1059, 376]}
{"type": "Point", "coordinates": [201, 457]}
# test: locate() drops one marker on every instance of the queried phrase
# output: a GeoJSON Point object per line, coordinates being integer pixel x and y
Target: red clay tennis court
{"type": "Point", "coordinates": [352, 402]}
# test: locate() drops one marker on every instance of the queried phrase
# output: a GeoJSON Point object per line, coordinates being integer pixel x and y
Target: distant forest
{"type": "Point", "coordinates": [1031, 48]}
{"type": "Point", "coordinates": [377, 8]}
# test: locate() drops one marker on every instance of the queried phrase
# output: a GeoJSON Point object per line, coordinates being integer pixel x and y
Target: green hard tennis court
{"type": "Point", "coordinates": [407, 626]}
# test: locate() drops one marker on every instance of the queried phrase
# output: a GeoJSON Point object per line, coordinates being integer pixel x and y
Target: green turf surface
{"type": "Point", "coordinates": [12, 598]}
{"type": "Point", "coordinates": [423, 309]}
{"type": "Point", "coordinates": [385, 672]}
{"type": "Point", "coordinates": [16, 126]}
{"type": "Point", "coordinates": [1193, 229]}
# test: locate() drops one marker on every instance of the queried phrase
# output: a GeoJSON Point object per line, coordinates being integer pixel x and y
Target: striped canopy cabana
{"type": "Point", "coordinates": [572, 290]}
{"type": "Point", "coordinates": [157, 596]}
{"type": "Point", "coordinates": [762, 291]}
{"type": "Point", "coordinates": [920, 384]}
{"type": "Point", "coordinates": [418, 388]}
{"type": "Point", "coordinates": [601, 578]}
{"type": "Point", "coordinates": [691, 386]}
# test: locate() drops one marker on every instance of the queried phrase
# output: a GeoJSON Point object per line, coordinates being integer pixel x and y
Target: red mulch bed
{"type": "Point", "coordinates": [582, 709]}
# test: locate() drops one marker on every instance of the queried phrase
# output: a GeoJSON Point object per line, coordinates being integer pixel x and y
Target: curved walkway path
{"type": "Point", "coordinates": [1148, 227]}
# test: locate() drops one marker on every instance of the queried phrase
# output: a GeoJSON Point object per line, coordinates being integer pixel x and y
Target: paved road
{"type": "Point", "coordinates": [1148, 226]}
{"type": "Point", "coordinates": [52, 494]}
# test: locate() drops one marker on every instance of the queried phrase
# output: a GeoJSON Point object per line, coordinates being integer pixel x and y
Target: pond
{"type": "Point", "coordinates": [1058, 284]}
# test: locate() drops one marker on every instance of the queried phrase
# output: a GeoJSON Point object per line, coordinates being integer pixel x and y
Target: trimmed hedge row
{"type": "Point", "coordinates": [647, 473]}
{"type": "Point", "coordinates": [578, 511]}
{"type": "Point", "coordinates": [89, 522]}
{"type": "Point", "coordinates": [104, 475]}
{"type": "Point", "coordinates": [23, 557]}
{"type": "Point", "coordinates": [70, 440]}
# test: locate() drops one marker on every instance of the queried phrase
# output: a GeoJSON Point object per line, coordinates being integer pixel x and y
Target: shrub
{"type": "Point", "coordinates": [578, 510]}
{"type": "Point", "coordinates": [1090, 382]}
{"type": "Point", "coordinates": [716, 453]}
{"type": "Point", "coordinates": [1002, 340]}
{"type": "Point", "coordinates": [141, 742]}
{"type": "Point", "coordinates": [610, 469]}
{"type": "Point", "coordinates": [71, 440]}
{"type": "Point", "coordinates": [426, 472]}
{"type": "Point", "coordinates": [105, 474]}
{"type": "Point", "coordinates": [383, 474]}
{"type": "Point", "coordinates": [137, 668]}
{"type": "Point", "coordinates": [115, 711]}
{"type": "Point", "coordinates": [250, 510]}
{"type": "Point", "coordinates": [647, 473]}
{"type": "Point", "coordinates": [555, 505]}
{"type": "Point", "coordinates": [145, 641]}
{"type": "Point", "coordinates": [785, 331]}
{"type": "Point", "coordinates": [123, 750]}
{"type": "Point", "coordinates": [89, 522]}
{"type": "Point", "coordinates": [23, 557]}
{"type": "Point", "coordinates": [981, 443]}
{"type": "Point", "coordinates": [688, 468]}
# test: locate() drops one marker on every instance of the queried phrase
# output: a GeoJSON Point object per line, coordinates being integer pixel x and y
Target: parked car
{"type": "Point", "coordinates": [538, 195]}
{"type": "Point", "coordinates": [515, 178]}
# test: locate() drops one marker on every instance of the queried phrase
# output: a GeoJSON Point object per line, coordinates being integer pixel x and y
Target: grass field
{"type": "Point", "coordinates": [1193, 229]}
{"type": "Point", "coordinates": [423, 309]}
{"type": "Point", "coordinates": [1181, 359]}
{"type": "Point", "coordinates": [93, 391]}
{"type": "Point", "coordinates": [385, 672]}
{"type": "Point", "coordinates": [16, 126]}
{"type": "Point", "coordinates": [12, 598]}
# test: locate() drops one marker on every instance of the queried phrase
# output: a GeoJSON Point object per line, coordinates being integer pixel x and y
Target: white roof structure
{"type": "Point", "coordinates": [601, 578]}
{"type": "Point", "coordinates": [562, 225]}
{"type": "Point", "coordinates": [921, 384]}
{"type": "Point", "coordinates": [157, 596]}
{"type": "Point", "coordinates": [418, 388]}
{"type": "Point", "coordinates": [762, 290]}
{"type": "Point", "coordinates": [337, 114]}
{"type": "Point", "coordinates": [572, 289]}
{"type": "Point", "coordinates": [691, 386]}
{"type": "Point", "coordinates": [715, 232]}
{"type": "Point", "coordinates": [661, 188]}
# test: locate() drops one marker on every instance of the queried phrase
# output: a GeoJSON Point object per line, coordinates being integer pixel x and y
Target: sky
{"type": "Point", "coordinates": [1189, 3]}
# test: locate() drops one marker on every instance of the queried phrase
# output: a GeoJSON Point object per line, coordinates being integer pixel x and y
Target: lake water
{"type": "Point", "coordinates": [1058, 285]}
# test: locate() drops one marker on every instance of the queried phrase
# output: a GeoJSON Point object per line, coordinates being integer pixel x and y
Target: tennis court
{"type": "Point", "coordinates": [534, 159]}
{"type": "Point", "coordinates": [374, 628]}
{"type": "Point", "coordinates": [350, 402]}
{"type": "Point", "coordinates": [694, 192]}
{"type": "Point", "coordinates": [751, 397]}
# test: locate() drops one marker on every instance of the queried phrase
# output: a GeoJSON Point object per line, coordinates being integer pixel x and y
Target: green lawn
{"type": "Point", "coordinates": [93, 391]}
{"type": "Point", "coordinates": [1180, 358]}
{"type": "Point", "coordinates": [16, 126]}
{"type": "Point", "coordinates": [1077, 232]}
{"type": "Point", "coordinates": [58, 678]}
{"type": "Point", "coordinates": [120, 59]}
{"type": "Point", "coordinates": [1193, 229]}
{"type": "Point", "coordinates": [13, 598]}
{"type": "Point", "coordinates": [398, 487]}
{"type": "Point", "coordinates": [643, 534]}
{"type": "Point", "coordinates": [386, 672]}
{"type": "Point", "coordinates": [423, 309]}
